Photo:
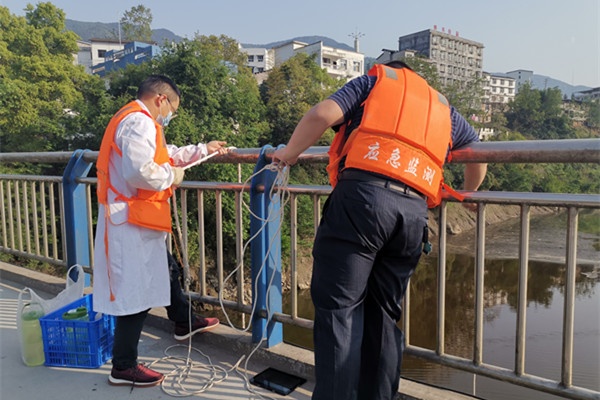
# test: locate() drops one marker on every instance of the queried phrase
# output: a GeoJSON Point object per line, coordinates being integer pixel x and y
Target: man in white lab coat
{"type": "Point", "coordinates": [137, 172]}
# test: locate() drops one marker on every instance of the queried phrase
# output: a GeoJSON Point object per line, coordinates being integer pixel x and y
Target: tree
{"type": "Point", "coordinates": [291, 90]}
{"type": "Point", "coordinates": [466, 98]}
{"type": "Point", "coordinates": [524, 112]}
{"type": "Point", "coordinates": [422, 66]}
{"type": "Point", "coordinates": [136, 24]}
{"type": "Point", "coordinates": [223, 47]}
{"type": "Point", "coordinates": [219, 100]}
{"type": "Point", "coordinates": [593, 114]}
{"type": "Point", "coordinates": [41, 89]}
{"type": "Point", "coordinates": [538, 114]}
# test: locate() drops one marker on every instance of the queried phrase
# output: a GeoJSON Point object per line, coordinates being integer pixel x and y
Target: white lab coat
{"type": "Point", "coordinates": [139, 273]}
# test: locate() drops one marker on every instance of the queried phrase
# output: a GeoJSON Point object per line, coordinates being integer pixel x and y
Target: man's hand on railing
{"type": "Point", "coordinates": [217, 146]}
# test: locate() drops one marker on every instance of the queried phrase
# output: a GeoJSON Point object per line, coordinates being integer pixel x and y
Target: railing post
{"type": "Point", "coordinates": [76, 218]}
{"type": "Point", "coordinates": [265, 254]}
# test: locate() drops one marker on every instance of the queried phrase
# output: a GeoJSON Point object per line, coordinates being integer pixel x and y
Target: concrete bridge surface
{"type": "Point", "coordinates": [224, 345]}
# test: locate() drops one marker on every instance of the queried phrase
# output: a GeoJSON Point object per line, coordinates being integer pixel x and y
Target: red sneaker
{"type": "Point", "coordinates": [136, 376]}
{"type": "Point", "coordinates": [199, 324]}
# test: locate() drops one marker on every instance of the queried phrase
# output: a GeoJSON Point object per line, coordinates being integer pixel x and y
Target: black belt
{"type": "Point", "coordinates": [381, 181]}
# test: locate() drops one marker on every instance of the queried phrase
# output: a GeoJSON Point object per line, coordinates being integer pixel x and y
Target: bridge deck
{"type": "Point", "coordinates": [223, 345]}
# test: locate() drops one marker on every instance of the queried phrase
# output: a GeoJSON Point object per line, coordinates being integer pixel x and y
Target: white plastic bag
{"type": "Point", "coordinates": [72, 292]}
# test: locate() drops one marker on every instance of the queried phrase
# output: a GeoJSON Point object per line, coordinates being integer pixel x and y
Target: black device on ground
{"type": "Point", "coordinates": [277, 381]}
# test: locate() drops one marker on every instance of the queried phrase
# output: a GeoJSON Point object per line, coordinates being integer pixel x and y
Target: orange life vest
{"type": "Point", "coordinates": [405, 133]}
{"type": "Point", "coordinates": [148, 208]}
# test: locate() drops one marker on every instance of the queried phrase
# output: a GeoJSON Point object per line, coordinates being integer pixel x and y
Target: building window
{"type": "Point", "coordinates": [101, 53]}
{"type": "Point", "coordinates": [260, 58]}
{"type": "Point", "coordinates": [250, 58]}
{"type": "Point", "coordinates": [356, 66]}
{"type": "Point", "coordinates": [326, 61]}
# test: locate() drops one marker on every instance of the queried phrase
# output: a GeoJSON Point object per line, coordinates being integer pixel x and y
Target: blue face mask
{"type": "Point", "coordinates": [164, 121]}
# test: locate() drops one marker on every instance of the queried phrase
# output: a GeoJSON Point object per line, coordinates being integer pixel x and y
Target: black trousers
{"type": "Point", "coordinates": [367, 246]}
{"type": "Point", "coordinates": [128, 328]}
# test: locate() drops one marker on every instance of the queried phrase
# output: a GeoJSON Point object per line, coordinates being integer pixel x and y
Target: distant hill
{"type": "Point", "coordinates": [542, 82]}
{"type": "Point", "coordinates": [101, 30]}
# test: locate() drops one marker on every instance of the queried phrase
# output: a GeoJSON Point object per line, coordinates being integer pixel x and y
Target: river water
{"type": "Point", "coordinates": [547, 274]}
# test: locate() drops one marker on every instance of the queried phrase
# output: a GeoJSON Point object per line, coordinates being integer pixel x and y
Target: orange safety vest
{"type": "Point", "coordinates": [405, 133]}
{"type": "Point", "coordinates": [148, 208]}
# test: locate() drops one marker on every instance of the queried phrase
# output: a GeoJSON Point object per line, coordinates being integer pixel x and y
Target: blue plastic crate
{"type": "Point", "coordinates": [77, 344]}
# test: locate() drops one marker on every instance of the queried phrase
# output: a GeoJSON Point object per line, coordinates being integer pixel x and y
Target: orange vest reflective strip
{"type": "Point", "coordinates": [148, 208]}
{"type": "Point", "coordinates": [405, 133]}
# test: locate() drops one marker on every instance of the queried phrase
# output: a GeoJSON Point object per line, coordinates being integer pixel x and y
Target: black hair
{"type": "Point", "coordinates": [157, 84]}
{"type": "Point", "coordinates": [397, 64]}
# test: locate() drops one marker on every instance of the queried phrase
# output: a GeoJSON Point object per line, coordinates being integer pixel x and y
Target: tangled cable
{"type": "Point", "coordinates": [182, 376]}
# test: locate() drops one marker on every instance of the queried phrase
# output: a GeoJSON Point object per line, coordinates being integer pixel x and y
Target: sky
{"type": "Point", "coordinates": [556, 38]}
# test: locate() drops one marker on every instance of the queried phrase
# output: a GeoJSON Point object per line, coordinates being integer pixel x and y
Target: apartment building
{"type": "Point", "coordinates": [457, 59]}
{"type": "Point", "coordinates": [521, 76]}
{"type": "Point", "coordinates": [339, 63]}
{"type": "Point", "coordinates": [498, 88]}
{"type": "Point", "coordinates": [498, 91]}
{"type": "Point", "coordinates": [259, 59]}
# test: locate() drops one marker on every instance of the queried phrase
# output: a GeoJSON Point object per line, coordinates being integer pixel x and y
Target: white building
{"type": "Point", "coordinates": [498, 89]}
{"type": "Point", "coordinates": [339, 63]}
{"type": "Point", "coordinates": [99, 48]}
{"type": "Point", "coordinates": [84, 55]}
{"type": "Point", "coordinates": [456, 59]}
{"type": "Point", "coordinates": [259, 59]}
{"type": "Point", "coordinates": [521, 76]}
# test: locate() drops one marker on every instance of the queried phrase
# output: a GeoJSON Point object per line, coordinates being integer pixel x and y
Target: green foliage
{"type": "Point", "coordinates": [220, 100]}
{"type": "Point", "coordinates": [538, 115]}
{"type": "Point", "coordinates": [136, 24]}
{"type": "Point", "coordinates": [428, 71]}
{"type": "Point", "coordinates": [593, 114]}
{"type": "Point", "coordinates": [41, 90]}
{"type": "Point", "coordinates": [466, 98]}
{"type": "Point", "coordinates": [291, 90]}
